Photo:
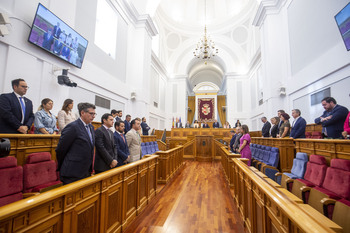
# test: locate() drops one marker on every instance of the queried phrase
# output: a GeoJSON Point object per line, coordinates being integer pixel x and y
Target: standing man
{"type": "Point", "coordinates": [205, 124]}
{"type": "Point", "coordinates": [120, 141]}
{"type": "Point", "coordinates": [216, 124]}
{"type": "Point", "coordinates": [233, 139]}
{"type": "Point", "coordinates": [187, 125]}
{"type": "Point", "coordinates": [133, 139]}
{"type": "Point", "coordinates": [178, 124]}
{"type": "Point", "coordinates": [279, 112]}
{"type": "Point", "coordinates": [75, 149]}
{"type": "Point", "coordinates": [119, 115]}
{"type": "Point", "coordinates": [57, 30]}
{"type": "Point", "coordinates": [48, 39]}
{"type": "Point", "coordinates": [16, 111]}
{"type": "Point", "coordinates": [332, 119]}
{"type": "Point", "coordinates": [106, 156]}
{"type": "Point", "coordinates": [266, 128]}
{"type": "Point", "coordinates": [127, 123]}
{"type": "Point", "coordinates": [144, 126]}
{"type": "Point", "coordinates": [237, 142]}
{"type": "Point", "coordinates": [298, 125]}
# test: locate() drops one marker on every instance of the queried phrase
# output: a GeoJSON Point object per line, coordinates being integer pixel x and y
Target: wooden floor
{"type": "Point", "coordinates": [198, 200]}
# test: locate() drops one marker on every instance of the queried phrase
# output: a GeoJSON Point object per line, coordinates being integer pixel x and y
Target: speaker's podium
{"type": "Point", "coordinates": [204, 148]}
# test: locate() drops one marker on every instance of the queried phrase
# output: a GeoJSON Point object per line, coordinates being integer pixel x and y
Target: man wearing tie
{"type": "Point", "coordinates": [265, 131]}
{"type": "Point", "coordinates": [106, 156]}
{"type": "Point", "coordinates": [75, 149]}
{"type": "Point", "coordinates": [120, 141]}
{"type": "Point", "coordinates": [279, 112]}
{"type": "Point", "coordinates": [127, 123]}
{"type": "Point", "coordinates": [16, 111]}
{"type": "Point", "coordinates": [179, 124]}
{"type": "Point", "coordinates": [133, 139]}
{"type": "Point", "coordinates": [216, 124]}
{"type": "Point", "coordinates": [144, 126]}
{"type": "Point", "coordinates": [298, 125]}
{"type": "Point", "coordinates": [187, 125]}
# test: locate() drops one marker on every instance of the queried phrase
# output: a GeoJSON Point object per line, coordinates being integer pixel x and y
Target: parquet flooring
{"type": "Point", "coordinates": [197, 200]}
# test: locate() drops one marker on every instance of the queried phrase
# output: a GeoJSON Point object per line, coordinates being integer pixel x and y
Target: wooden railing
{"type": "Point", "coordinates": [184, 133]}
{"type": "Point", "coordinates": [148, 138]}
{"type": "Point", "coordinates": [107, 202]}
{"type": "Point", "coordinates": [170, 162]}
{"type": "Point", "coordinates": [329, 148]}
{"type": "Point", "coordinates": [190, 149]}
{"type": "Point", "coordinates": [286, 150]}
{"type": "Point", "coordinates": [161, 145]}
{"type": "Point", "coordinates": [226, 161]}
{"type": "Point", "coordinates": [265, 208]}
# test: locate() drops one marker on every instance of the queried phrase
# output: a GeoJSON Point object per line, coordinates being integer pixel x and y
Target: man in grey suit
{"type": "Point", "coordinates": [237, 142]}
{"type": "Point", "coordinates": [106, 151]}
{"type": "Point", "coordinates": [133, 139]}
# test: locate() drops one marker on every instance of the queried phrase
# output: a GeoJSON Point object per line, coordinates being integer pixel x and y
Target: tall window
{"type": "Point", "coordinates": [106, 28]}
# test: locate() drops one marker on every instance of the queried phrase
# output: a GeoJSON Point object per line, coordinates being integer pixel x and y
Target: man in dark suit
{"type": "Point", "coordinates": [216, 124]}
{"type": "Point", "coordinates": [48, 39]}
{"type": "Point", "coordinates": [106, 156]}
{"type": "Point", "coordinates": [237, 142]}
{"type": "Point", "coordinates": [57, 30]}
{"type": "Point", "coordinates": [178, 124]}
{"type": "Point", "coordinates": [58, 46]}
{"type": "Point", "coordinates": [120, 141]}
{"type": "Point", "coordinates": [205, 125]}
{"type": "Point", "coordinates": [16, 111]}
{"type": "Point", "coordinates": [332, 119]}
{"type": "Point", "coordinates": [119, 115]}
{"type": "Point", "coordinates": [279, 112]}
{"type": "Point", "coordinates": [144, 126]}
{"type": "Point", "coordinates": [75, 149]}
{"type": "Point", "coordinates": [266, 128]}
{"type": "Point", "coordinates": [298, 125]}
{"type": "Point", "coordinates": [187, 125]}
{"type": "Point", "coordinates": [127, 123]}
{"type": "Point", "coordinates": [233, 139]}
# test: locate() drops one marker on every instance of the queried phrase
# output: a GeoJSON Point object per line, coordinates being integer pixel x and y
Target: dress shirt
{"type": "Point", "coordinates": [24, 104]}
{"type": "Point", "coordinates": [295, 120]}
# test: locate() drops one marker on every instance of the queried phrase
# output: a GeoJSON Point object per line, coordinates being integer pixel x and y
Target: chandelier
{"type": "Point", "coordinates": [205, 47]}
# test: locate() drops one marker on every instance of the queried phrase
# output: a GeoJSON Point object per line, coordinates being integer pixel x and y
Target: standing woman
{"type": "Point", "coordinates": [66, 116]}
{"type": "Point", "coordinates": [274, 128]}
{"type": "Point", "coordinates": [285, 126]}
{"type": "Point", "coordinates": [244, 148]}
{"type": "Point", "coordinates": [238, 124]}
{"type": "Point", "coordinates": [45, 121]}
{"type": "Point", "coordinates": [227, 125]}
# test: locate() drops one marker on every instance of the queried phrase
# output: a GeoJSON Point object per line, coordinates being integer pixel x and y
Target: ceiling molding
{"type": "Point", "coordinates": [129, 13]}
{"type": "Point", "coordinates": [267, 7]}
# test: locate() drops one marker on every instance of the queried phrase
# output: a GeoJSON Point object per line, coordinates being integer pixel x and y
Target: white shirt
{"type": "Point", "coordinates": [19, 101]}
{"type": "Point", "coordinates": [295, 120]}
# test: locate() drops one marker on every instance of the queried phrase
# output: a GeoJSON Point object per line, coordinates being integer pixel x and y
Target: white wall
{"type": "Point", "coordinates": [101, 75]}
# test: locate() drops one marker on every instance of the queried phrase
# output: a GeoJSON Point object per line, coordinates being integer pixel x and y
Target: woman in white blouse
{"type": "Point", "coordinates": [66, 116]}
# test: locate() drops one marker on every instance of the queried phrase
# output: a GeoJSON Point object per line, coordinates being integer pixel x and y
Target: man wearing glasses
{"type": "Point", "coordinates": [16, 111]}
{"type": "Point", "coordinates": [75, 149]}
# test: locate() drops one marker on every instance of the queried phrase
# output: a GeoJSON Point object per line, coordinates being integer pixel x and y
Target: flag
{"type": "Point", "coordinates": [173, 123]}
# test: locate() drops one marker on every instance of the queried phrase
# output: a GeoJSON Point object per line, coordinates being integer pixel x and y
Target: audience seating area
{"type": "Point", "coordinates": [265, 158]}
{"type": "Point", "coordinates": [148, 148]}
{"type": "Point", "coordinates": [37, 175]}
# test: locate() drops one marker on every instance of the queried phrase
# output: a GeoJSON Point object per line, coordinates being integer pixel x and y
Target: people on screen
{"type": "Point", "coordinates": [48, 39]}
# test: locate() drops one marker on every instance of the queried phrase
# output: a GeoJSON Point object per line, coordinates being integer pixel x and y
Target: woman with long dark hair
{"type": "Point", "coordinates": [66, 116]}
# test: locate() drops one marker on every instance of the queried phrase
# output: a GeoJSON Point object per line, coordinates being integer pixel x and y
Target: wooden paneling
{"type": "Point", "coordinates": [286, 150]}
{"type": "Point", "coordinates": [170, 162]}
{"type": "Point", "coordinates": [204, 148]}
{"type": "Point", "coordinates": [329, 148]}
{"type": "Point", "coordinates": [264, 208]}
{"type": "Point", "coordinates": [24, 144]}
{"type": "Point", "coordinates": [96, 124]}
{"type": "Point", "coordinates": [183, 133]}
{"type": "Point", "coordinates": [313, 128]}
{"type": "Point", "coordinates": [107, 202]}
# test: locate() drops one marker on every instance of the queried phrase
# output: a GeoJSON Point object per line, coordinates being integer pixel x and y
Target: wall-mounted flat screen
{"type": "Point", "coordinates": [343, 21]}
{"type": "Point", "coordinates": [53, 35]}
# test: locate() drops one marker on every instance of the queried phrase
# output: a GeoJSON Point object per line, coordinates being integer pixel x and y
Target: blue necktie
{"type": "Point", "coordinates": [88, 131]}
{"type": "Point", "coordinates": [23, 106]}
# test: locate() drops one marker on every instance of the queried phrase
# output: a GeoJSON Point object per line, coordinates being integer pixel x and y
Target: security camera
{"type": "Point", "coordinates": [64, 79]}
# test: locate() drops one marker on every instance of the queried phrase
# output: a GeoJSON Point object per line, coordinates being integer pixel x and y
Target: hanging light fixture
{"type": "Point", "coordinates": [206, 47]}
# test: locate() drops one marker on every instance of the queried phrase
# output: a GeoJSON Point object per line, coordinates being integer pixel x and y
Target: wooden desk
{"type": "Point", "coordinates": [204, 148]}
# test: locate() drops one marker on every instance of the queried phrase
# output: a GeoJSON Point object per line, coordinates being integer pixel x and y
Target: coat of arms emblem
{"type": "Point", "coordinates": [206, 109]}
